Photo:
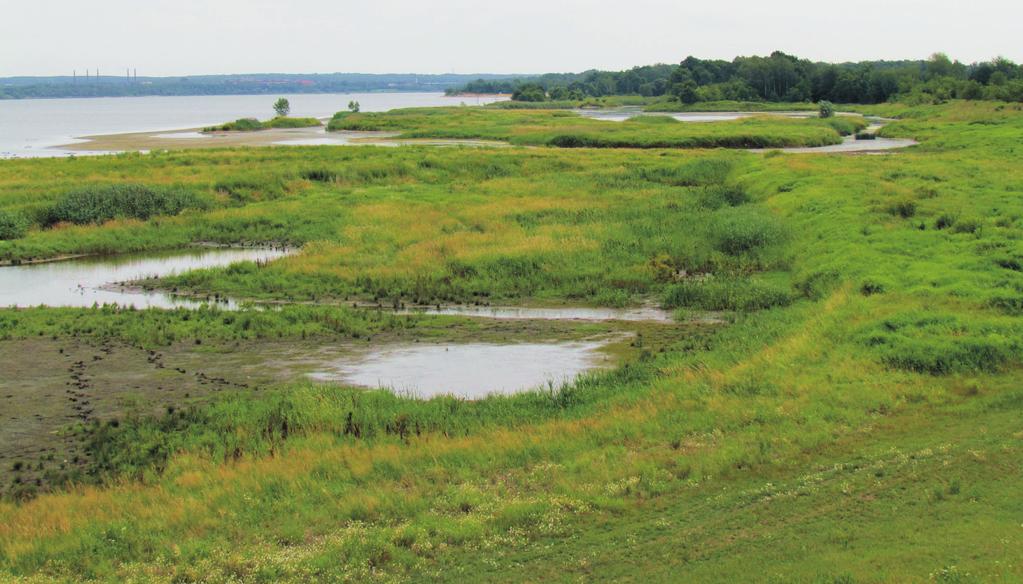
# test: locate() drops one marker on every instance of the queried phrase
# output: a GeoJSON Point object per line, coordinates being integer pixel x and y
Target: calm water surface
{"type": "Point", "coordinates": [86, 281]}
{"type": "Point", "coordinates": [645, 314]}
{"type": "Point", "coordinates": [469, 371]}
{"type": "Point", "coordinates": [28, 127]}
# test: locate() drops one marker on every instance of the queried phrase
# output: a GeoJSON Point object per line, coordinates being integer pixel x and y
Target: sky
{"type": "Point", "coordinates": [190, 37]}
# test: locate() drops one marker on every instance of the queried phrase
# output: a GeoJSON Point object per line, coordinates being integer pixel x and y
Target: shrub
{"type": "Point", "coordinates": [940, 344]}
{"type": "Point", "coordinates": [292, 123]}
{"type": "Point", "coordinates": [12, 225]}
{"type": "Point", "coordinates": [904, 209]}
{"type": "Point", "coordinates": [98, 204]}
{"type": "Point", "coordinates": [707, 171]}
{"type": "Point", "coordinates": [819, 284]}
{"type": "Point", "coordinates": [244, 125]}
{"type": "Point", "coordinates": [320, 175]}
{"type": "Point", "coordinates": [967, 226]}
{"type": "Point", "coordinates": [871, 287]}
{"type": "Point", "coordinates": [826, 109]}
{"type": "Point", "coordinates": [725, 294]}
{"type": "Point", "coordinates": [736, 231]}
{"type": "Point", "coordinates": [944, 221]}
{"type": "Point", "coordinates": [718, 196]}
{"type": "Point", "coordinates": [845, 126]}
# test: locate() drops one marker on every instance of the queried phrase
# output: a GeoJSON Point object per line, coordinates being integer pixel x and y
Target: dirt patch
{"type": "Point", "coordinates": [55, 388]}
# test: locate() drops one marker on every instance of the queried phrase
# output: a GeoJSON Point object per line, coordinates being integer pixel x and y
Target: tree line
{"type": "Point", "coordinates": [778, 77]}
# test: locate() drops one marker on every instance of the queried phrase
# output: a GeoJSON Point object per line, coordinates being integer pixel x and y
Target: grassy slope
{"type": "Point", "coordinates": [567, 129]}
{"type": "Point", "coordinates": [867, 433]}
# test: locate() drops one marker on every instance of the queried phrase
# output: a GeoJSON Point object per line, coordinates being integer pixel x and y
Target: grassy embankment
{"type": "Point", "coordinates": [254, 125]}
{"type": "Point", "coordinates": [569, 130]}
{"type": "Point", "coordinates": [868, 430]}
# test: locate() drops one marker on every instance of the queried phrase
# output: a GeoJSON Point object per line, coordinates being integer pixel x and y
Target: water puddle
{"type": "Point", "coordinates": [850, 144]}
{"type": "Point", "coordinates": [710, 116]}
{"type": "Point", "coordinates": [87, 281]}
{"type": "Point", "coordinates": [645, 314]}
{"type": "Point", "coordinates": [628, 112]}
{"type": "Point", "coordinates": [469, 371]}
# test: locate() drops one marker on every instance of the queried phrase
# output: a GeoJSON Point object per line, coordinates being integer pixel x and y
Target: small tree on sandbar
{"type": "Point", "coordinates": [282, 107]}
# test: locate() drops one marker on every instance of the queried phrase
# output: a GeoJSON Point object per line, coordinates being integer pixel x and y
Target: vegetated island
{"type": "Point", "coordinates": [282, 107]}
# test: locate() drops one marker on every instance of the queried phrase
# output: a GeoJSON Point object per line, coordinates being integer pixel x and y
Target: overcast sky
{"type": "Point", "coordinates": [177, 37]}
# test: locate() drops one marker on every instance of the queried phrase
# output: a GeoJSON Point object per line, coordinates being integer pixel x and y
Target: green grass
{"type": "Point", "coordinates": [253, 125]}
{"type": "Point", "coordinates": [413, 226]}
{"type": "Point", "coordinates": [858, 420]}
{"type": "Point", "coordinates": [569, 130]}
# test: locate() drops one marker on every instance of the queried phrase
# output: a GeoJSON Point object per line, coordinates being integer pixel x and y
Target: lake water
{"type": "Point", "coordinates": [28, 127]}
{"type": "Point", "coordinates": [87, 281]}
{"type": "Point", "coordinates": [469, 371]}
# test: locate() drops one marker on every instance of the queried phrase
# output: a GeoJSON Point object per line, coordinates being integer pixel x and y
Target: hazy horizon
{"type": "Point", "coordinates": [188, 37]}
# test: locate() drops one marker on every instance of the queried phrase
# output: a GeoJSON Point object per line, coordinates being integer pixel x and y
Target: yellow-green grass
{"type": "Point", "coordinates": [425, 225]}
{"type": "Point", "coordinates": [568, 129]}
{"type": "Point", "coordinates": [869, 431]}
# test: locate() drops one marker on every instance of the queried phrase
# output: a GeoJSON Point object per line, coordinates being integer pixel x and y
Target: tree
{"type": "Point", "coordinates": [282, 107]}
{"type": "Point", "coordinates": [560, 93]}
{"type": "Point", "coordinates": [529, 92]}
{"type": "Point", "coordinates": [353, 106]}
{"type": "Point", "coordinates": [683, 87]}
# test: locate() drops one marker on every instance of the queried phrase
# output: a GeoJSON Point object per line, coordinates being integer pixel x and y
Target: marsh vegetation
{"type": "Point", "coordinates": [862, 401]}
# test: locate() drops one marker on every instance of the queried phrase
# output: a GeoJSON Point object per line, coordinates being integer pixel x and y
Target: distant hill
{"type": "Point", "coordinates": [249, 84]}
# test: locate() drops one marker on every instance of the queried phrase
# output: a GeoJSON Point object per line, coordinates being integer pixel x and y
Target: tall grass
{"type": "Point", "coordinates": [98, 204]}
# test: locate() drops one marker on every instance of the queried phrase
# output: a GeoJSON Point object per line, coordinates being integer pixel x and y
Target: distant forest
{"type": "Point", "coordinates": [777, 78]}
{"type": "Point", "coordinates": [258, 84]}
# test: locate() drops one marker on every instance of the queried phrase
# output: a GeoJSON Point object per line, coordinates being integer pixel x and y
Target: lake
{"type": "Point", "coordinates": [30, 127]}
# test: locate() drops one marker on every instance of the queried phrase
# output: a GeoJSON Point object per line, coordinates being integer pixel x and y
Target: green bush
{"type": "Point", "coordinates": [737, 231]}
{"type": "Point", "coordinates": [819, 284]}
{"type": "Point", "coordinates": [718, 196]}
{"type": "Point", "coordinates": [240, 125]}
{"type": "Point", "coordinates": [292, 123]}
{"type": "Point", "coordinates": [940, 344]}
{"type": "Point", "coordinates": [826, 109]}
{"type": "Point", "coordinates": [904, 209]}
{"type": "Point", "coordinates": [968, 225]}
{"type": "Point", "coordinates": [725, 294]}
{"type": "Point", "coordinates": [97, 204]}
{"type": "Point", "coordinates": [12, 225]}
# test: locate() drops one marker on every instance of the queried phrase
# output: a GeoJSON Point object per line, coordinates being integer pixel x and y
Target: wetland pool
{"type": "Point", "coordinates": [466, 370]}
{"type": "Point", "coordinates": [467, 366]}
{"type": "Point", "coordinates": [86, 281]}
